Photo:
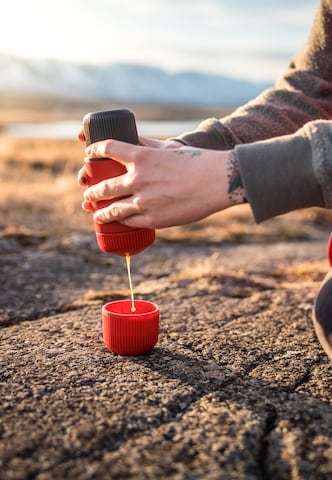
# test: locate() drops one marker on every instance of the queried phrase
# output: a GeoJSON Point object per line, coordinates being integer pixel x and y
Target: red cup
{"type": "Point", "coordinates": [130, 333]}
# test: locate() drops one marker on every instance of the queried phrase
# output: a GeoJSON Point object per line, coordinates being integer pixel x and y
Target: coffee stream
{"type": "Point", "coordinates": [133, 308]}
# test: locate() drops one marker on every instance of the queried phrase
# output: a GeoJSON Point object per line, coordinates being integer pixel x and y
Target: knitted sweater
{"type": "Point", "coordinates": [283, 138]}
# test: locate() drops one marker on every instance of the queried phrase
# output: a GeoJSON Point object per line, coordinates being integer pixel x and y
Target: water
{"type": "Point", "coordinates": [69, 128]}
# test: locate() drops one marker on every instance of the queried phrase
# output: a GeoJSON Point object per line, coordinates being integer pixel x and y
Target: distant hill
{"type": "Point", "coordinates": [120, 82]}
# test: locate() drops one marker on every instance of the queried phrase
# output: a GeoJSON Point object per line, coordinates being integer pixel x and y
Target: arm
{"type": "Point", "coordinates": [302, 94]}
{"type": "Point", "coordinates": [162, 191]}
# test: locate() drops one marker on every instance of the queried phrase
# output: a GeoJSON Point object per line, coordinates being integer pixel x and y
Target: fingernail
{"type": "Point", "coordinates": [98, 218]}
{"type": "Point", "coordinates": [84, 207]}
{"type": "Point", "coordinates": [88, 150]}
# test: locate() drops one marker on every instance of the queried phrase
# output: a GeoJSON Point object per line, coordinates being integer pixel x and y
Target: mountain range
{"type": "Point", "coordinates": [121, 82]}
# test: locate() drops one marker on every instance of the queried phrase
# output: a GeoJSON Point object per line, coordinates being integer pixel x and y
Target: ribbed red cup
{"type": "Point", "coordinates": [130, 333]}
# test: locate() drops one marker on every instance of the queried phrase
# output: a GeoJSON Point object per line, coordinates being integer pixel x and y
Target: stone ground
{"type": "Point", "coordinates": [237, 387]}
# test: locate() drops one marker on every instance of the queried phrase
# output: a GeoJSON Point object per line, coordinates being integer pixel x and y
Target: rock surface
{"type": "Point", "coordinates": [237, 387]}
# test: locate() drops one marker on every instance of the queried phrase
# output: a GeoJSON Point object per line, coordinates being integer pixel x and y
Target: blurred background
{"type": "Point", "coordinates": [244, 40]}
{"type": "Point", "coordinates": [195, 54]}
{"type": "Point", "coordinates": [174, 62]}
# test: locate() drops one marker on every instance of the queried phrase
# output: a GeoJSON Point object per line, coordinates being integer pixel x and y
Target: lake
{"type": "Point", "coordinates": [68, 129]}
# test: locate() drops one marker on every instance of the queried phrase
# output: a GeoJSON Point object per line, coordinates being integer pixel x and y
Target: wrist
{"type": "Point", "coordinates": [235, 190]}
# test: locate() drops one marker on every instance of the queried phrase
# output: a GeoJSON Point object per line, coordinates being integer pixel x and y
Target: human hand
{"type": "Point", "coordinates": [163, 186]}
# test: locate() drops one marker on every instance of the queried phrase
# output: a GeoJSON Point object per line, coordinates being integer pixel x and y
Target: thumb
{"type": "Point", "coordinates": [80, 135]}
{"type": "Point", "coordinates": [150, 142]}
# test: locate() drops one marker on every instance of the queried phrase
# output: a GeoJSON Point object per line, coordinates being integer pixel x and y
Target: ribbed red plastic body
{"type": "Point", "coordinates": [114, 237]}
{"type": "Point", "coordinates": [130, 333]}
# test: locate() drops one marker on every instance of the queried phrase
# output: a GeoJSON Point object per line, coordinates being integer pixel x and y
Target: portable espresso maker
{"type": "Point", "coordinates": [120, 125]}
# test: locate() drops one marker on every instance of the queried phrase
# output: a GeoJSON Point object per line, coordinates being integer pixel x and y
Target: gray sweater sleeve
{"type": "Point", "coordinates": [288, 172]}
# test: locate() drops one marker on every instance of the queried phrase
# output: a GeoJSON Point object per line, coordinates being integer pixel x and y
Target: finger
{"type": "Point", "coordinates": [117, 211]}
{"type": "Point", "coordinates": [155, 143]}
{"type": "Point", "coordinates": [82, 178]}
{"type": "Point", "coordinates": [137, 221]}
{"type": "Point", "coordinates": [150, 142]}
{"type": "Point", "coordinates": [122, 152]}
{"type": "Point", "coordinates": [87, 206]}
{"type": "Point", "coordinates": [133, 221]}
{"type": "Point", "coordinates": [108, 189]}
{"type": "Point", "coordinates": [80, 135]}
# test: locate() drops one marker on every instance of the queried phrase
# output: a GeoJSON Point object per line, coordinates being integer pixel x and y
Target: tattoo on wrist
{"type": "Point", "coordinates": [190, 152]}
{"type": "Point", "coordinates": [235, 190]}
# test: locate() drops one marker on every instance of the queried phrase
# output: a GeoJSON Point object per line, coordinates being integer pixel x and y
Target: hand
{"type": "Point", "coordinates": [164, 186]}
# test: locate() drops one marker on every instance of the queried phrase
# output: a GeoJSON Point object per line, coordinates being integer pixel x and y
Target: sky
{"type": "Point", "coordinates": [247, 39]}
